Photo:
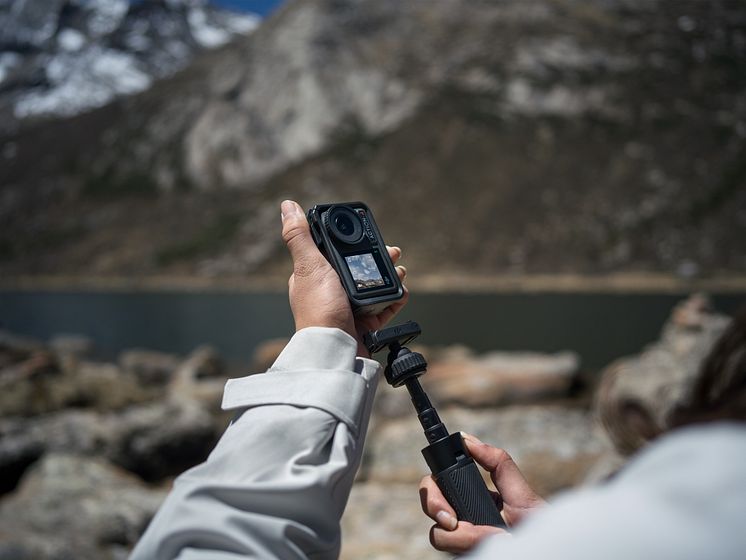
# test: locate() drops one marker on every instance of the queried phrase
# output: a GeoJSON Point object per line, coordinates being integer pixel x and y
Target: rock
{"type": "Point", "coordinates": [501, 377]}
{"type": "Point", "coordinates": [637, 395]}
{"type": "Point", "coordinates": [105, 387]}
{"type": "Point", "coordinates": [383, 521]}
{"type": "Point", "coordinates": [33, 386]}
{"type": "Point", "coordinates": [554, 446]}
{"type": "Point", "coordinates": [83, 432]}
{"type": "Point", "coordinates": [163, 439]}
{"type": "Point", "coordinates": [14, 348]}
{"type": "Point", "coordinates": [18, 450]}
{"type": "Point", "coordinates": [266, 353]}
{"type": "Point", "coordinates": [457, 376]}
{"type": "Point", "coordinates": [201, 377]}
{"type": "Point", "coordinates": [155, 440]}
{"type": "Point", "coordinates": [149, 366]}
{"type": "Point", "coordinates": [84, 508]}
{"type": "Point", "coordinates": [71, 346]}
{"type": "Point", "coordinates": [45, 383]}
{"type": "Point", "coordinates": [392, 402]}
{"type": "Point", "coordinates": [202, 363]}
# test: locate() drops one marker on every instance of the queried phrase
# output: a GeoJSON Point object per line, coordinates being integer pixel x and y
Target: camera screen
{"type": "Point", "coordinates": [364, 271]}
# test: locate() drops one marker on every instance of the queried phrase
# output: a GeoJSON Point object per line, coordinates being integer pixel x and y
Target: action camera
{"type": "Point", "coordinates": [347, 235]}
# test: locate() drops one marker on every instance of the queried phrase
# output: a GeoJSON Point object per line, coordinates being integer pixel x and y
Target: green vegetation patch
{"type": "Point", "coordinates": [41, 241]}
{"type": "Point", "coordinates": [111, 185]}
{"type": "Point", "coordinates": [208, 240]}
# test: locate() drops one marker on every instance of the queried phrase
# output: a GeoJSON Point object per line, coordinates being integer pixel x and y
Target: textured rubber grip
{"type": "Point", "coordinates": [465, 490]}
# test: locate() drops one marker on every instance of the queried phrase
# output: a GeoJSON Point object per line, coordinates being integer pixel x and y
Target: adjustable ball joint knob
{"type": "Point", "coordinates": [407, 365]}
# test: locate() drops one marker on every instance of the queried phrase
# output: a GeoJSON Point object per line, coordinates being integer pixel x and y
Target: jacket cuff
{"type": "Point", "coordinates": [318, 369]}
{"type": "Point", "coordinates": [318, 348]}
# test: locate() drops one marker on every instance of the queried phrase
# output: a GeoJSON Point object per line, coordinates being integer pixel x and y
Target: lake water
{"type": "Point", "coordinates": [598, 326]}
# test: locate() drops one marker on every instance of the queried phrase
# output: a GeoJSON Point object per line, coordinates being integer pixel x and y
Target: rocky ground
{"type": "Point", "coordinates": [88, 449]}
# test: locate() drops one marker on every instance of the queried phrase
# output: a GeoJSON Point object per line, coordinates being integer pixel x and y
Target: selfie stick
{"type": "Point", "coordinates": [454, 471]}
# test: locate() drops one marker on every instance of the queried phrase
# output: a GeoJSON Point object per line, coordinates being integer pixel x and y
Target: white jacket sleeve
{"type": "Point", "coordinates": [276, 484]}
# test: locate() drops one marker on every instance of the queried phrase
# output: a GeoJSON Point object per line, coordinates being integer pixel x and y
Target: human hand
{"type": "Point", "coordinates": [317, 298]}
{"type": "Point", "coordinates": [517, 497]}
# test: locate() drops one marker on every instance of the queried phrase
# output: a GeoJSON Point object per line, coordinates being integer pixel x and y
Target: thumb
{"type": "Point", "coordinates": [505, 474]}
{"type": "Point", "coordinates": [297, 236]}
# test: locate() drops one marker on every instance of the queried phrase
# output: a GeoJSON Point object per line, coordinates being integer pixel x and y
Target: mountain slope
{"type": "Point", "coordinates": [550, 136]}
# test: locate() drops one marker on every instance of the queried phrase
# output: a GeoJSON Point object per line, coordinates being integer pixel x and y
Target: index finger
{"type": "Point", "coordinates": [394, 252]}
{"type": "Point", "coordinates": [435, 506]}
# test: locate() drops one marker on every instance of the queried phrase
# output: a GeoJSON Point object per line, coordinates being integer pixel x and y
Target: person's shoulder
{"type": "Point", "coordinates": [697, 469]}
{"type": "Point", "coordinates": [713, 447]}
{"type": "Point", "coordinates": [682, 497]}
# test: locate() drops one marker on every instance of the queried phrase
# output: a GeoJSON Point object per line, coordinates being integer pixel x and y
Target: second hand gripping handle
{"type": "Point", "coordinates": [465, 490]}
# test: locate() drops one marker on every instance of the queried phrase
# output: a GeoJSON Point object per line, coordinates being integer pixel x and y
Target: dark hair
{"type": "Point", "coordinates": [719, 392]}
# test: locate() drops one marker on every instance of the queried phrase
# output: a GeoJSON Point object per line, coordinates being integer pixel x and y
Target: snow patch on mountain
{"type": "Point", "coordinates": [63, 57]}
{"type": "Point", "coordinates": [220, 30]}
{"type": "Point", "coordinates": [83, 80]}
{"type": "Point", "coordinates": [104, 15]}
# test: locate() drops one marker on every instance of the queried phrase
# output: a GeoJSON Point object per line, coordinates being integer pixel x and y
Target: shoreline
{"type": "Point", "coordinates": [429, 283]}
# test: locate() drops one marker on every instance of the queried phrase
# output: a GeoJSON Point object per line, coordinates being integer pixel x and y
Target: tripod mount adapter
{"type": "Point", "coordinates": [453, 469]}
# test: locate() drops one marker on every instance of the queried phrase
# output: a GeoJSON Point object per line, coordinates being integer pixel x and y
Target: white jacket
{"type": "Point", "coordinates": [276, 484]}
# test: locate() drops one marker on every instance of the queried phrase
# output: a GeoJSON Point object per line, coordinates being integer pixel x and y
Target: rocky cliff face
{"type": "Point", "coordinates": [523, 137]}
{"type": "Point", "coordinates": [62, 57]}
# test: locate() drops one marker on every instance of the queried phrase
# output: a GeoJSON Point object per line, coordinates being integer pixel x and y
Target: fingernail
{"type": "Point", "coordinates": [471, 438]}
{"type": "Point", "coordinates": [288, 207]}
{"type": "Point", "coordinates": [446, 520]}
{"type": "Point", "coordinates": [403, 270]}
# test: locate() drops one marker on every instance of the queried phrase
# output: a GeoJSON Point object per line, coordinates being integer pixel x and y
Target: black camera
{"type": "Point", "coordinates": [348, 237]}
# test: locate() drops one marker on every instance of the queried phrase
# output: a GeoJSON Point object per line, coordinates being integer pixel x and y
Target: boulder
{"type": "Point", "coordinates": [163, 439]}
{"type": "Point", "coordinates": [494, 378]}
{"type": "Point", "coordinates": [75, 507]}
{"type": "Point", "coordinates": [458, 376]}
{"type": "Point", "coordinates": [266, 353]}
{"type": "Point", "coordinates": [71, 346]}
{"type": "Point", "coordinates": [200, 377]}
{"type": "Point", "coordinates": [637, 395]}
{"type": "Point", "coordinates": [555, 446]}
{"type": "Point", "coordinates": [104, 386]}
{"type": "Point", "coordinates": [33, 386]}
{"type": "Point", "coordinates": [14, 348]}
{"type": "Point", "coordinates": [18, 450]}
{"type": "Point", "coordinates": [46, 383]}
{"type": "Point", "coordinates": [383, 520]}
{"type": "Point", "coordinates": [392, 402]}
{"type": "Point", "coordinates": [154, 440]}
{"type": "Point", "coordinates": [203, 363]}
{"type": "Point", "coordinates": [149, 366]}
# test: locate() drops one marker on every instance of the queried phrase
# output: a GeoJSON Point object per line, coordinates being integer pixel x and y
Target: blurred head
{"type": "Point", "coordinates": [695, 372]}
{"type": "Point", "coordinates": [719, 392]}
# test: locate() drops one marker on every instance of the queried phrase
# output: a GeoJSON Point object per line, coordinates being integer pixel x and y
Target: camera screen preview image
{"type": "Point", "coordinates": [365, 271]}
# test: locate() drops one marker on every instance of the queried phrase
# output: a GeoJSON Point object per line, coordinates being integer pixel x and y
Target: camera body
{"type": "Point", "coordinates": [347, 235]}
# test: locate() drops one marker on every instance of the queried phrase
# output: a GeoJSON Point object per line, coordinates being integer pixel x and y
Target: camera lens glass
{"type": "Point", "coordinates": [345, 225]}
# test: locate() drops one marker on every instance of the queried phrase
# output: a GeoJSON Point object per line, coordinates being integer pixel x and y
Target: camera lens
{"type": "Point", "coordinates": [345, 225]}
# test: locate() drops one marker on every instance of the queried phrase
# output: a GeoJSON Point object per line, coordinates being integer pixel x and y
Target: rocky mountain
{"type": "Point", "coordinates": [521, 137]}
{"type": "Point", "coordinates": [62, 57]}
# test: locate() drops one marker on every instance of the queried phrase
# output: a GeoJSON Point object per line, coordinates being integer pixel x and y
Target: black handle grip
{"type": "Point", "coordinates": [465, 490]}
